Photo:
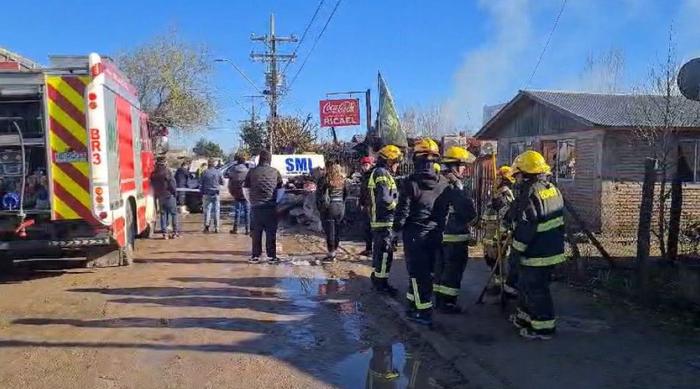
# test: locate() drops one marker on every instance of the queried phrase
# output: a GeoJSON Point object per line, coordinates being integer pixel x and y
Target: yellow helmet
{"type": "Point", "coordinates": [456, 154]}
{"type": "Point", "coordinates": [506, 172]}
{"type": "Point", "coordinates": [530, 162]}
{"type": "Point", "coordinates": [390, 152]}
{"type": "Point", "coordinates": [426, 147]}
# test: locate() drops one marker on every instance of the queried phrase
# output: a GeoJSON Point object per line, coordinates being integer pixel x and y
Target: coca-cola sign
{"type": "Point", "coordinates": [339, 113]}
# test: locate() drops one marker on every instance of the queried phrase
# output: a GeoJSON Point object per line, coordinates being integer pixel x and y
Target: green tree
{"type": "Point", "coordinates": [293, 134]}
{"type": "Point", "coordinates": [254, 137]}
{"type": "Point", "coordinates": [208, 149]}
{"type": "Point", "coordinates": [173, 81]}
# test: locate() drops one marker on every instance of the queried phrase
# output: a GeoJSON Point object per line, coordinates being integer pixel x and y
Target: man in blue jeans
{"type": "Point", "coordinates": [236, 175]}
{"type": "Point", "coordinates": [209, 183]}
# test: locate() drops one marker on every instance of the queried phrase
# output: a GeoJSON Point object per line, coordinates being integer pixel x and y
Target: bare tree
{"type": "Point", "coordinates": [604, 72]}
{"type": "Point", "coordinates": [428, 121]}
{"type": "Point", "coordinates": [659, 111]}
{"type": "Point", "coordinates": [172, 79]}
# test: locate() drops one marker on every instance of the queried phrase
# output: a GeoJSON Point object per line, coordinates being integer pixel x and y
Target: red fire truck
{"type": "Point", "coordinates": [75, 161]}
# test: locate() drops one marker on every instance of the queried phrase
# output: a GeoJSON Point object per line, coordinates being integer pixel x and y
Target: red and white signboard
{"type": "Point", "coordinates": [339, 113]}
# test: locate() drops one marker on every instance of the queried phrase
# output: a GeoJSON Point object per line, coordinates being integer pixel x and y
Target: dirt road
{"type": "Point", "coordinates": [192, 313]}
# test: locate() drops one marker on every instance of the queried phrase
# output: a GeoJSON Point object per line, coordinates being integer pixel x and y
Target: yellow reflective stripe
{"type": "Point", "coordinates": [380, 224]}
{"type": "Point", "coordinates": [382, 273]}
{"type": "Point", "coordinates": [446, 290]}
{"type": "Point", "coordinates": [455, 238]}
{"type": "Point", "coordinates": [409, 296]}
{"type": "Point", "coordinates": [392, 206]}
{"type": "Point", "coordinates": [551, 224]}
{"type": "Point", "coordinates": [542, 324]}
{"type": "Point", "coordinates": [370, 182]}
{"type": "Point", "coordinates": [543, 261]}
{"type": "Point", "coordinates": [419, 304]}
{"type": "Point", "coordinates": [520, 246]}
{"type": "Point", "coordinates": [489, 217]}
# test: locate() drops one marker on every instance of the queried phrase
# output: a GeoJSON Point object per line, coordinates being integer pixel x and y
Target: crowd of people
{"type": "Point", "coordinates": [431, 210]}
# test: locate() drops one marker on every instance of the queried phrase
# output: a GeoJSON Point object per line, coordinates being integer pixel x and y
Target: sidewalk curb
{"type": "Point", "coordinates": [466, 364]}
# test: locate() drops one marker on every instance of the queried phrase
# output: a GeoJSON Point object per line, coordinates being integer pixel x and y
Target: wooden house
{"type": "Point", "coordinates": [595, 145]}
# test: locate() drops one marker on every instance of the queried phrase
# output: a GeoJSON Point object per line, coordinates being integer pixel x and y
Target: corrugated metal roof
{"type": "Point", "coordinates": [612, 110]}
{"type": "Point", "coordinates": [623, 110]}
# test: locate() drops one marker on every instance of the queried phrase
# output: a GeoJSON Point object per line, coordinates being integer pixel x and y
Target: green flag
{"type": "Point", "coordinates": [389, 131]}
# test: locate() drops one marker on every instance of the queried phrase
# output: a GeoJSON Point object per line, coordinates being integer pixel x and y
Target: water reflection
{"type": "Point", "coordinates": [384, 366]}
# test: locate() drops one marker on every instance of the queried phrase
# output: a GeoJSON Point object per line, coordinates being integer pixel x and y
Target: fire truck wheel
{"type": "Point", "coordinates": [148, 232]}
{"type": "Point", "coordinates": [126, 253]}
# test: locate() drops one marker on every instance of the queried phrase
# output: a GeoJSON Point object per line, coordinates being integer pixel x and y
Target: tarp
{"type": "Point", "coordinates": [389, 131]}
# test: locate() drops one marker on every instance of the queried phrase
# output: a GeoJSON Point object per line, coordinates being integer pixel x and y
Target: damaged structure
{"type": "Point", "coordinates": [593, 143]}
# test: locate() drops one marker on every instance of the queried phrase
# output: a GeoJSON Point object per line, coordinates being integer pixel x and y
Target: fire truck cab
{"type": "Point", "coordinates": [75, 162]}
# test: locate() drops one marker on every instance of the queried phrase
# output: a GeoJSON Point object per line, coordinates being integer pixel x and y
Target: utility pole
{"type": "Point", "coordinates": [253, 118]}
{"type": "Point", "coordinates": [272, 76]}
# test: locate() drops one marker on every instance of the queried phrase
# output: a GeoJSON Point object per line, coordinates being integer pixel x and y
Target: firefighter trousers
{"type": "Point", "coordinates": [449, 268]}
{"type": "Point", "coordinates": [382, 254]}
{"type": "Point", "coordinates": [535, 304]}
{"type": "Point", "coordinates": [420, 253]}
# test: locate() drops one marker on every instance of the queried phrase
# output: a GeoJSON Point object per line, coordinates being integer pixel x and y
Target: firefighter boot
{"type": "Point", "coordinates": [421, 316]}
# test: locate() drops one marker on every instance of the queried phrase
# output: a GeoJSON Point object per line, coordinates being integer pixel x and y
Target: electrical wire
{"type": "Point", "coordinates": [546, 44]}
{"type": "Point", "coordinates": [303, 35]}
{"type": "Point", "coordinates": [330, 17]}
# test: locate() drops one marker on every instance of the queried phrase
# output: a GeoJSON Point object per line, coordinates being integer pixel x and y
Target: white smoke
{"type": "Point", "coordinates": [488, 73]}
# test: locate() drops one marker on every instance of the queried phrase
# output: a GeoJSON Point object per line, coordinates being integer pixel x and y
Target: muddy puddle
{"type": "Point", "coordinates": [361, 362]}
{"type": "Point", "coordinates": [384, 366]}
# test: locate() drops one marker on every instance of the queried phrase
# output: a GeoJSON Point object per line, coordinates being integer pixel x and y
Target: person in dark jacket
{"type": "Point", "coordinates": [164, 185]}
{"type": "Point", "coordinates": [263, 188]}
{"type": "Point", "coordinates": [421, 237]}
{"type": "Point", "coordinates": [538, 245]}
{"type": "Point", "coordinates": [331, 192]}
{"type": "Point", "coordinates": [383, 195]}
{"type": "Point", "coordinates": [210, 183]}
{"type": "Point", "coordinates": [181, 181]}
{"type": "Point", "coordinates": [454, 212]}
{"type": "Point", "coordinates": [366, 166]}
{"type": "Point", "coordinates": [236, 175]}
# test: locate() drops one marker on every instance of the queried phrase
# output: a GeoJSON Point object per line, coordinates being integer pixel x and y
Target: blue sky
{"type": "Point", "coordinates": [456, 54]}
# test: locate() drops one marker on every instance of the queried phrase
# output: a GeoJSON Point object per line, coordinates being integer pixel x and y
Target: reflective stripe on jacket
{"type": "Point", "coordinates": [539, 225]}
{"type": "Point", "coordinates": [383, 195]}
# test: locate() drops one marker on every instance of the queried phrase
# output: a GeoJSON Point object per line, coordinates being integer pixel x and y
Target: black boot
{"type": "Point", "coordinates": [422, 316]}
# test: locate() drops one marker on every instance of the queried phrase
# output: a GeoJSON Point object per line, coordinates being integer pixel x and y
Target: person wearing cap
{"type": "Point", "coordinates": [537, 245]}
{"type": "Point", "coordinates": [366, 166]}
{"type": "Point", "coordinates": [383, 197]}
{"type": "Point", "coordinates": [421, 234]}
{"type": "Point", "coordinates": [454, 212]}
{"type": "Point", "coordinates": [496, 225]}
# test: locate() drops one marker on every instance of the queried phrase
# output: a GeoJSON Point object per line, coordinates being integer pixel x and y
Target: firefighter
{"type": "Point", "coordinates": [421, 237]}
{"type": "Point", "coordinates": [454, 211]}
{"type": "Point", "coordinates": [495, 222]}
{"type": "Point", "coordinates": [383, 195]}
{"type": "Point", "coordinates": [538, 244]}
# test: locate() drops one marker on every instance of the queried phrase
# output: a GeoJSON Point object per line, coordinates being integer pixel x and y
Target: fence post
{"type": "Point", "coordinates": [644, 228]}
{"type": "Point", "coordinates": [674, 222]}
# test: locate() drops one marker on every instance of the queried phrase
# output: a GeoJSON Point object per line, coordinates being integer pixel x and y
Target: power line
{"type": "Point", "coordinates": [546, 44]}
{"type": "Point", "coordinates": [303, 35]}
{"type": "Point", "coordinates": [314, 45]}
